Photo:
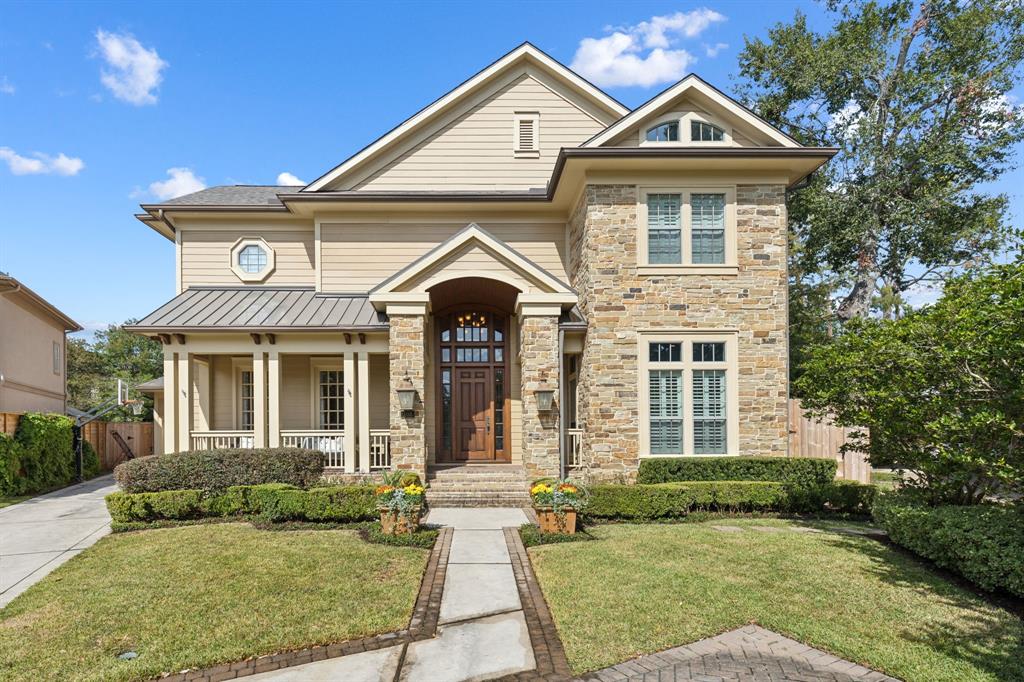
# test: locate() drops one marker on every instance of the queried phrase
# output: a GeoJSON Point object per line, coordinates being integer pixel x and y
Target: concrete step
{"type": "Point", "coordinates": [500, 500]}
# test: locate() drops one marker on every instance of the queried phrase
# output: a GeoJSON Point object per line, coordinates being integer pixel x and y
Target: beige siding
{"type": "Point", "coordinates": [475, 151]}
{"type": "Point", "coordinates": [26, 359]}
{"type": "Point", "coordinates": [296, 392]}
{"type": "Point", "coordinates": [357, 257]}
{"type": "Point", "coordinates": [222, 381]}
{"type": "Point", "coordinates": [380, 392]}
{"type": "Point", "coordinates": [206, 253]}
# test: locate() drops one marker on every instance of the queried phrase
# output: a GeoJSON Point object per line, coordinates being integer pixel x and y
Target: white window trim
{"type": "Point", "coordinates": [731, 366]}
{"type": "Point", "coordinates": [730, 267]}
{"type": "Point", "coordinates": [517, 151]}
{"type": "Point", "coordinates": [252, 277]}
{"type": "Point", "coordinates": [57, 358]}
{"type": "Point", "coordinates": [684, 118]}
{"type": "Point", "coordinates": [238, 365]}
{"type": "Point", "coordinates": [317, 365]}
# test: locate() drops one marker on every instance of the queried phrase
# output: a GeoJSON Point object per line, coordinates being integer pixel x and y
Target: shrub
{"type": "Point", "coordinates": [643, 502]}
{"type": "Point", "coordinates": [842, 497]}
{"type": "Point", "coordinates": [90, 460]}
{"type": "Point", "coordinates": [40, 456]}
{"type": "Point", "coordinates": [984, 543]}
{"type": "Point", "coordinates": [275, 502]}
{"type": "Point", "coordinates": [218, 470]}
{"type": "Point", "coordinates": [10, 465]}
{"type": "Point", "coordinates": [798, 471]}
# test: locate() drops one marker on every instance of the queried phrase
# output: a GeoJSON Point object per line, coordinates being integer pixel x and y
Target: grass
{"type": "Point", "coordinates": [644, 588]}
{"type": "Point", "coordinates": [885, 480]}
{"type": "Point", "coordinates": [14, 499]}
{"type": "Point", "coordinates": [202, 595]}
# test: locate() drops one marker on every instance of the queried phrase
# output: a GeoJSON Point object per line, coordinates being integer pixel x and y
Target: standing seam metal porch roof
{"type": "Point", "coordinates": [263, 309]}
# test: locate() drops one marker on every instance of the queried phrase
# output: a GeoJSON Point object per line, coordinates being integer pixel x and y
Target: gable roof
{"type": "Point", "coordinates": [524, 53]}
{"type": "Point", "coordinates": [698, 84]}
{"type": "Point", "coordinates": [468, 235]}
{"type": "Point", "coordinates": [11, 286]}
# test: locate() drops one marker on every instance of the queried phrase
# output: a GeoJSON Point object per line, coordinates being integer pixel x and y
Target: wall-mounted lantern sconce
{"type": "Point", "coordinates": [545, 399]}
{"type": "Point", "coordinates": [407, 399]}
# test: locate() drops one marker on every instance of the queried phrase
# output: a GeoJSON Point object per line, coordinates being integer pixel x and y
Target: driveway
{"type": "Point", "coordinates": [38, 535]}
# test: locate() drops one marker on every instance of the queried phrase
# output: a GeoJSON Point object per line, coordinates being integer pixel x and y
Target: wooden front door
{"type": "Point", "coordinates": [472, 417]}
{"type": "Point", "coordinates": [473, 414]}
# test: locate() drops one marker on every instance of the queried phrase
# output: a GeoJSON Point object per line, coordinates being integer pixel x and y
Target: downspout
{"type": "Point", "coordinates": [561, 403]}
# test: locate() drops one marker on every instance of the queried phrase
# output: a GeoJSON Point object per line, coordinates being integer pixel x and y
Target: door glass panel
{"type": "Point", "coordinates": [446, 355]}
{"type": "Point", "coordinates": [446, 410]}
{"type": "Point", "coordinates": [499, 409]}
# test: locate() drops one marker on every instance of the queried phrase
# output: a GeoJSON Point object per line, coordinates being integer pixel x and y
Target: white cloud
{"type": "Point", "coordinates": [287, 178]}
{"type": "Point", "coordinates": [7, 87]}
{"type": "Point", "coordinates": [181, 181]}
{"type": "Point", "coordinates": [713, 50]}
{"type": "Point", "coordinates": [644, 54]}
{"type": "Point", "coordinates": [135, 71]}
{"type": "Point", "coordinates": [922, 294]}
{"type": "Point", "coordinates": [40, 164]}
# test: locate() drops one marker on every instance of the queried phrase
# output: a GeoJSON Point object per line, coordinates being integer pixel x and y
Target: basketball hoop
{"type": "Point", "coordinates": [134, 404]}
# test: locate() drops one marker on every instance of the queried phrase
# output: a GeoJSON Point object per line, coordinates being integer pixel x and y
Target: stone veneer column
{"type": "Point", "coordinates": [538, 358]}
{"type": "Point", "coordinates": [407, 361]}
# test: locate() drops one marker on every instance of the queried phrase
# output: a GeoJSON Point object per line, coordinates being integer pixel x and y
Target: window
{"type": "Point", "coordinates": [707, 227]}
{"type": "Point", "coordinates": [665, 132]}
{"type": "Point", "coordinates": [705, 132]}
{"type": "Point", "coordinates": [252, 259]}
{"type": "Point", "coordinates": [664, 229]}
{"type": "Point", "coordinates": [246, 400]}
{"type": "Point", "coordinates": [330, 399]}
{"type": "Point", "coordinates": [57, 366]}
{"type": "Point", "coordinates": [687, 231]}
{"type": "Point", "coordinates": [526, 134]}
{"type": "Point", "coordinates": [686, 388]}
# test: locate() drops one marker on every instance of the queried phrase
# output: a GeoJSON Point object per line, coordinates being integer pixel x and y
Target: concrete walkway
{"type": "Point", "coordinates": [40, 534]}
{"type": "Point", "coordinates": [482, 632]}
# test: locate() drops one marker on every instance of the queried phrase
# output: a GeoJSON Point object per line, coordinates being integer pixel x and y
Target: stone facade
{"type": "Point", "coordinates": [538, 357]}
{"type": "Point", "coordinates": [407, 359]}
{"type": "Point", "coordinates": [617, 302]}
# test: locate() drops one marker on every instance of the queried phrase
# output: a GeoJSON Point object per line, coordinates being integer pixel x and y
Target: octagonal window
{"type": "Point", "coordinates": [252, 259]}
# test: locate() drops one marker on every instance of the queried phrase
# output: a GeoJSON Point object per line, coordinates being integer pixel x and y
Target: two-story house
{"type": "Point", "coordinates": [526, 271]}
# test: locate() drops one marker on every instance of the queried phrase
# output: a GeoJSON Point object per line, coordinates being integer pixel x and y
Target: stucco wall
{"type": "Point", "coordinates": [26, 359]}
{"type": "Point", "coordinates": [617, 303]}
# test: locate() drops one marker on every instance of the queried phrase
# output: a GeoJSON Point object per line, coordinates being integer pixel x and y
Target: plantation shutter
{"type": "Point", "coordinates": [664, 231]}
{"type": "Point", "coordinates": [709, 412]}
{"type": "Point", "coordinates": [708, 228]}
{"type": "Point", "coordinates": [666, 410]}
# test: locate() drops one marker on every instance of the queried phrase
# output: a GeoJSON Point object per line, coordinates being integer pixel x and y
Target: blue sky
{"type": "Point", "coordinates": [100, 101]}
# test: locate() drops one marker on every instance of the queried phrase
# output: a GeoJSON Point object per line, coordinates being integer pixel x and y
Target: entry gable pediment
{"type": "Point", "coordinates": [471, 252]}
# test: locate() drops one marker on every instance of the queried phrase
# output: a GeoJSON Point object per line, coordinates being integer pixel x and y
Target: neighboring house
{"type": "Point", "coordinates": [523, 272]}
{"type": "Point", "coordinates": [33, 344]}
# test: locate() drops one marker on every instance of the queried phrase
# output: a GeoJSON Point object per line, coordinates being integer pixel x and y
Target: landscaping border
{"type": "Point", "coordinates": [422, 625]}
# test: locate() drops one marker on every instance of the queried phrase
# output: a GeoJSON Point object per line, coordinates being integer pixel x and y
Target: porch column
{"type": "Point", "coordinates": [538, 359]}
{"type": "Point", "coordinates": [259, 402]}
{"type": "Point", "coordinates": [407, 362]}
{"type": "Point", "coordinates": [170, 426]}
{"type": "Point", "coordinates": [185, 405]}
{"type": "Point", "coordinates": [348, 376]}
{"type": "Point", "coordinates": [273, 399]}
{"type": "Point", "coordinates": [363, 399]}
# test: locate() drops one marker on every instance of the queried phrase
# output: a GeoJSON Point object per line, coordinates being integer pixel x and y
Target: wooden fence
{"type": "Point", "coordinates": [811, 438]}
{"type": "Point", "coordinates": [138, 436]}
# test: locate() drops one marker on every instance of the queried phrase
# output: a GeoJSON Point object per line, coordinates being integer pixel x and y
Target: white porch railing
{"type": "Point", "coordinates": [330, 442]}
{"type": "Point", "coordinates": [380, 449]}
{"type": "Point", "coordinates": [574, 447]}
{"type": "Point", "coordinates": [219, 440]}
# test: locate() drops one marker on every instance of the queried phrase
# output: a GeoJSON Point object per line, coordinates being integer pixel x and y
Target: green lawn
{"type": "Point", "coordinates": [644, 588]}
{"type": "Point", "coordinates": [15, 499]}
{"type": "Point", "coordinates": [201, 595]}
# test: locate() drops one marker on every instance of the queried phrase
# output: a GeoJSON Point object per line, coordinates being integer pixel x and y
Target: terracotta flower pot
{"type": "Point", "coordinates": [394, 523]}
{"type": "Point", "coordinates": [557, 522]}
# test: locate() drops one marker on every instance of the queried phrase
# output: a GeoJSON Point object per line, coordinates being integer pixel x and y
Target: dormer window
{"type": "Point", "coordinates": [705, 132]}
{"type": "Point", "coordinates": [664, 132]}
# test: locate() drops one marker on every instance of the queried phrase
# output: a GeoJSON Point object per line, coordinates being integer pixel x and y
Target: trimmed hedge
{"type": "Point", "coordinates": [644, 502]}
{"type": "Point", "coordinates": [41, 455]}
{"type": "Point", "coordinates": [275, 502]}
{"type": "Point", "coordinates": [843, 497]}
{"type": "Point", "coordinates": [806, 472]}
{"type": "Point", "coordinates": [984, 543]}
{"type": "Point", "coordinates": [218, 470]}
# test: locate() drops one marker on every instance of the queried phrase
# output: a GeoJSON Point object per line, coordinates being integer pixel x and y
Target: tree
{"type": "Point", "coordinates": [93, 369]}
{"type": "Point", "coordinates": [915, 97]}
{"type": "Point", "coordinates": [940, 391]}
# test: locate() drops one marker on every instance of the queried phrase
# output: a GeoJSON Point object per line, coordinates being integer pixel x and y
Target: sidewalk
{"type": "Point", "coordinates": [40, 534]}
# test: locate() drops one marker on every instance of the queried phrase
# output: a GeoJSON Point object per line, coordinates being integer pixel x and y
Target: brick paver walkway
{"type": "Point", "coordinates": [750, 653]}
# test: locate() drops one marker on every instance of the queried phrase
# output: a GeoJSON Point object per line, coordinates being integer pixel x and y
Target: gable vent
{"type": "Point", "coordinates": [526, 134]}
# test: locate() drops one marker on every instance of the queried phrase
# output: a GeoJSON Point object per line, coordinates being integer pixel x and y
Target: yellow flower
{"type": "Point", "coordinates": [540, 488]}
{"type": "Point", "coordinates": [413, 489]}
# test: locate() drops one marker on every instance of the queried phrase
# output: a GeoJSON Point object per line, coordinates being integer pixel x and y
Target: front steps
{"type": "Point", "coordinates": [478, 485]}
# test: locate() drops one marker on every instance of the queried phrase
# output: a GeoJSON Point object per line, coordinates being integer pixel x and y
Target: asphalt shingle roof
{"type": "Point", "coordinates": [234, 195]}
